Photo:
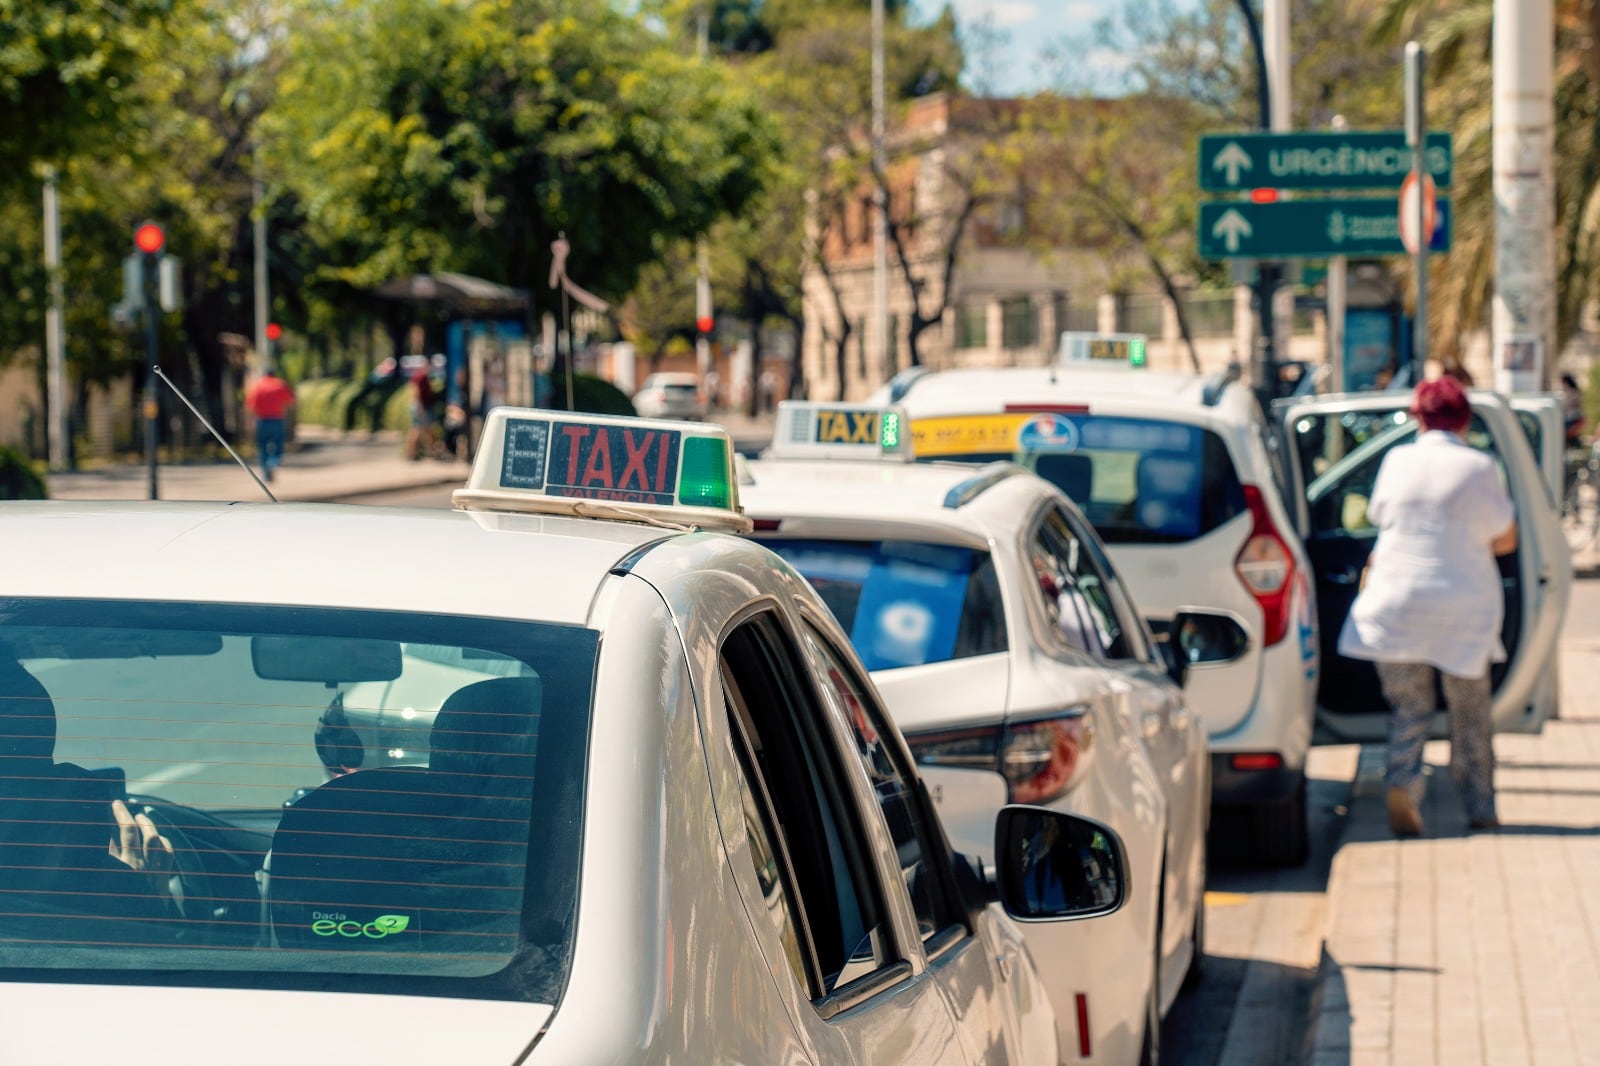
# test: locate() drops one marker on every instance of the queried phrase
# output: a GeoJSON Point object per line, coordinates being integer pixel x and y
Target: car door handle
{"type": "Point", "coordinates": [1348, 576]}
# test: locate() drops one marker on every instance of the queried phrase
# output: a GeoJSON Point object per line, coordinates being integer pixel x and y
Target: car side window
{"type": "Point", "coordinates": [1085, 615]}
{"type": "Point", "coordinates": [933, 894]}
{"type": "Point", "coordinates": [807, 842]}
{"type": "Point", "coordinates": [1099, 578]}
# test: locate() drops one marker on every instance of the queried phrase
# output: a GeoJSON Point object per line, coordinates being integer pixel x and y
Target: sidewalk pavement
{"type": "Point", "coordinates": [324, 465]}
{"type": "Point", "coordinates": [1458, 948]}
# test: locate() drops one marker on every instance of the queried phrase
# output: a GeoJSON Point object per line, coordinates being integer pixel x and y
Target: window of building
{"type": "Point", "coordinates": [1019, 323]}
{"type": "Point", "coordinates": [972, 325]}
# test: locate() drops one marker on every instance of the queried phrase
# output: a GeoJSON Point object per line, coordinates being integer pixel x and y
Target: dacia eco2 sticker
{"type": "Point", "coordinates": [339, 924]}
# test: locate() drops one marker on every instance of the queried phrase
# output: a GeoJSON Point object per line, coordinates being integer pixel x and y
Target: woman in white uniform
{"type": "Point", "coordinates": [1432, 604]}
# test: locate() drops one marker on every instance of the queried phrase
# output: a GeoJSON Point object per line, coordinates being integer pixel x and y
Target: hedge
{"type": "Point", "coordinates": [19, 480]}
{"type": "Point", "coordinates": [387, 405]}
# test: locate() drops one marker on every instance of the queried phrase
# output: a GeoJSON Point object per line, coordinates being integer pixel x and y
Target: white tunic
{"type": "Point", "coordinates": [1433, 592]}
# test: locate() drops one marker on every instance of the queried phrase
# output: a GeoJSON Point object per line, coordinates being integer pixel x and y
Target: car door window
{"type": "Point", "coordinates": [1096, 572]}
{"type": "Point", "coordinates": [806, 839]}
{"type": "Point", "coordinates": [1084, 615]}
{"type": "Point", "coordinates": [926, 879]}
{"type": "Point", "coordinates": [1339, 497]}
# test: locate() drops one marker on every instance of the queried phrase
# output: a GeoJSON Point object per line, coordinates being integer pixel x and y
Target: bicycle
{"type": "Point", "coordinates": [1580, 502]}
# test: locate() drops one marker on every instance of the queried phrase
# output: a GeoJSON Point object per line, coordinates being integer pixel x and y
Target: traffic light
{"type": "Point", "coordinates": [149, 239]}
{"type": "Point", "coordinates": [274, 331]}
{"type": "Point", "coordinates": [703, 324]}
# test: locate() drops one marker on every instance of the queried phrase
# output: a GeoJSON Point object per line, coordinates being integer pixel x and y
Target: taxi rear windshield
{"type": "Point", "coordinates": [263, 797]}
{"type": "Point", "coordinates": [905, 603]}
{"type": "Point", "coordinates": [1138, 480]}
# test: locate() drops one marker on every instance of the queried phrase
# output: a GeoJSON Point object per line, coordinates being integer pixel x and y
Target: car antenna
{"type": "Point", "coordinates": [176, 391]}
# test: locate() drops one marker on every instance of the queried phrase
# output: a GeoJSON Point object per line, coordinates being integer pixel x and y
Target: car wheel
{"type": "Point", "coordinates": [1278, 830]}
{"type": "Point", "coordinates": [1197, 936]}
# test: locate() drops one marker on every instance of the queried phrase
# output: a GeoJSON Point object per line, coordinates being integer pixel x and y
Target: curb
{"type": "Point", "coordinates": [380, 489]}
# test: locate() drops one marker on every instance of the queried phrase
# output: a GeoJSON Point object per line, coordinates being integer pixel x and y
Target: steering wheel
{"type": "Point", "coordinates": [190, 885]}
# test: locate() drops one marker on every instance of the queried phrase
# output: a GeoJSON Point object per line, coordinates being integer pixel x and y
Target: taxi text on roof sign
{"type": "Point", "coordinates": [1127, 349]}
{"type": "Point", "coordinates": [840, 431]}
{"type": "Point", "coordinates": [627, 469]}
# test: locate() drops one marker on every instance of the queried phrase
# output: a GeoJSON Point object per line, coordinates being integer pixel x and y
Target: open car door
{"type": "Point", "coordinates": [1337, 444]}
{"type": "Point", "coordinates": [1544, 424]}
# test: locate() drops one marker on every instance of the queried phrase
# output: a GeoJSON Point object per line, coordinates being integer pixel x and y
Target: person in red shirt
{"type": "Point", "coordinates": [269, 399]}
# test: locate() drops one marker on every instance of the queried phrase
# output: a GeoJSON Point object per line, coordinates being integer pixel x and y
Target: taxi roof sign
{"type": "Point", "coordinates": [841, 431]}
{"type": "Point", "coordinates": [594, 466]}
{"type": "Point", "coordinates": [1126, 349]}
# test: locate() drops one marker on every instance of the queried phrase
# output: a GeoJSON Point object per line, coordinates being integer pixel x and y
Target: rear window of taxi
{"type": "Point", "coordinates": [289, 798]}
{"type": "Point", "coordinates": [905, 603]}
{"type": "Point", "coordinates": [1138, 480]}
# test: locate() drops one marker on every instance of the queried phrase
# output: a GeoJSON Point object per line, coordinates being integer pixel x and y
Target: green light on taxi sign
{"type": "Point", "coordinates": [1136, 353]}
{"type": "Point", "coordinates": [704, 479]}
{"type": "Point", "coordinates": [889, 430]}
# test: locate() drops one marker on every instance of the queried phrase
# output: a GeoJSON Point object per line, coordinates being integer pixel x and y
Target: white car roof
{"type": "Point", "coordinates": [1153, 392]}
{"type": "Point", "coordinates": [890, 497]}
{"type": "Point", "coordinates": [541, 568]}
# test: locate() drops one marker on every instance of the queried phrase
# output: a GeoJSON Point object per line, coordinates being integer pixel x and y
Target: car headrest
{"type": "Point", "coordinates": [1071, 472]}
{"type": "Point", "coordinates": [1168, 492]}
{"type": "Point", "coordinates": [382, 860]}
{"type": "Point", "coordinates": [487, 732]}
{"type": "Point", "coordinates": [27, 715]}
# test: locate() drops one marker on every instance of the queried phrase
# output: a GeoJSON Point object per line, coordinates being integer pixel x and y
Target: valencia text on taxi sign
{"type": "Point", "coordinates": [1311, 229]}
{"type": "Point", "coordinates": [1230, 162]}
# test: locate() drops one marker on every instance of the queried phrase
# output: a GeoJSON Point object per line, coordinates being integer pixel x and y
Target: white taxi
{"type": "Point", "coordinates": [1188, 486]}
{"type": "Point", "coordinates": [1001, 638]}
{"type": "Point", "coordinates": [662, 819]}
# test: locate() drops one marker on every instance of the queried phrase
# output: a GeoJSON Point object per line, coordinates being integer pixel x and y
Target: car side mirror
{"type": "Point", "coordinates": [1175, 662]}
{"type": "Point", "coordinates": [1053, 866]}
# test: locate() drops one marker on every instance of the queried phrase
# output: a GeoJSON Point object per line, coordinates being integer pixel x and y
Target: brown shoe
{"type": "Point", "coordinates": [1488, 823]}
{"type": "Point", "coordinates": [1404, 818]}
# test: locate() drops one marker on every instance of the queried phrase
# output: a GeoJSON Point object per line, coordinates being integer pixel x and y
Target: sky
{"type": "Point", "coordinates": [1026, 28]}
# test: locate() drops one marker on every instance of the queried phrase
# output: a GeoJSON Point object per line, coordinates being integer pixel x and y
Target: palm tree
{"type": "Point", "coordinates": [1458, 35]}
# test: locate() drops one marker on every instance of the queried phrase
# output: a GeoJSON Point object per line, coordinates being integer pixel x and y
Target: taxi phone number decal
{"type": "Point", "coordinates": [624, 464]}
{"type": "Point", "coordinates": [967, 434]}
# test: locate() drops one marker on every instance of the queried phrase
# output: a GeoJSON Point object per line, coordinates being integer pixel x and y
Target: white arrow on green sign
{"type": "Point", "coordinates": [1310, 229]}
{"type": "Point", "coordinates": [1348, 160]}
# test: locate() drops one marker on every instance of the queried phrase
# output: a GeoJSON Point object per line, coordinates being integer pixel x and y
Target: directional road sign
{"type": "Point", "coordinates": [1348, 160]}
{"type": "Point", "coordinates": [1310, 229]}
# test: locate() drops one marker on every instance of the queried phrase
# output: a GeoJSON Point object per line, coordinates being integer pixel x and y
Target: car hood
{"type": "Point", "coordinates": [46, 1024]}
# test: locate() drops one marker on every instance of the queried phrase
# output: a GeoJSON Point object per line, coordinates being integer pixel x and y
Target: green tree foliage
{"type": "Point", "coordinates": [1458, 35]}
{"type": "Point", "coordinates": [421, 135]}
{"type": "Point", "coordinates": [66, 73]}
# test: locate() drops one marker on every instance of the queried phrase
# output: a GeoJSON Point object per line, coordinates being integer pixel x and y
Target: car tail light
{"type": "Point", "coordinates": [1040, 759]}
{"type": "Point", "coordinates": [1266, 566]}
{"type": "Point", "coordinates": [1256, 760]}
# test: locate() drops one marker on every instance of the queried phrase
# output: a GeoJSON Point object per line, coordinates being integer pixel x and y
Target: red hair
{"type": "Point", "coordinates": [1442, 404]}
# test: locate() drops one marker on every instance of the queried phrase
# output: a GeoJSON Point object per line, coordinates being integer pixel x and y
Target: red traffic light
{"type": "Point", "coordinates": [149, 238]}
{"type": "Point", "coordinates": [703, 323]}
{"type": "Point", "coordinates": [274, 331]}
{"type": "Point", "coordinates": [1263, 196]}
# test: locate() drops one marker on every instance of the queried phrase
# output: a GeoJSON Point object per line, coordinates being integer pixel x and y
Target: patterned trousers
{"type": "Point", "coordinates": [1409, 688]}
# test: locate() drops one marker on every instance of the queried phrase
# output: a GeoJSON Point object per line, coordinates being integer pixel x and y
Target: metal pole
{"type": "Point", "coordinates": [702, 281]}
{"type": "Point", "coordinates": [880, 200]}
{"type": "Point", "coordinates": [57, 428]}
{"type": "Point", "coordinates": [1338, 300]}
{"type": "Point", "coordinates": [1524, 318]}
{"type": "Point", "coordinates": [1265, 365]}
{"type": "Point", "coordinates": [1417, 140]}
{"type": "Point", "coordinates": [263, 312]}
{"type": "Point", "coordinates": [152, 398]}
